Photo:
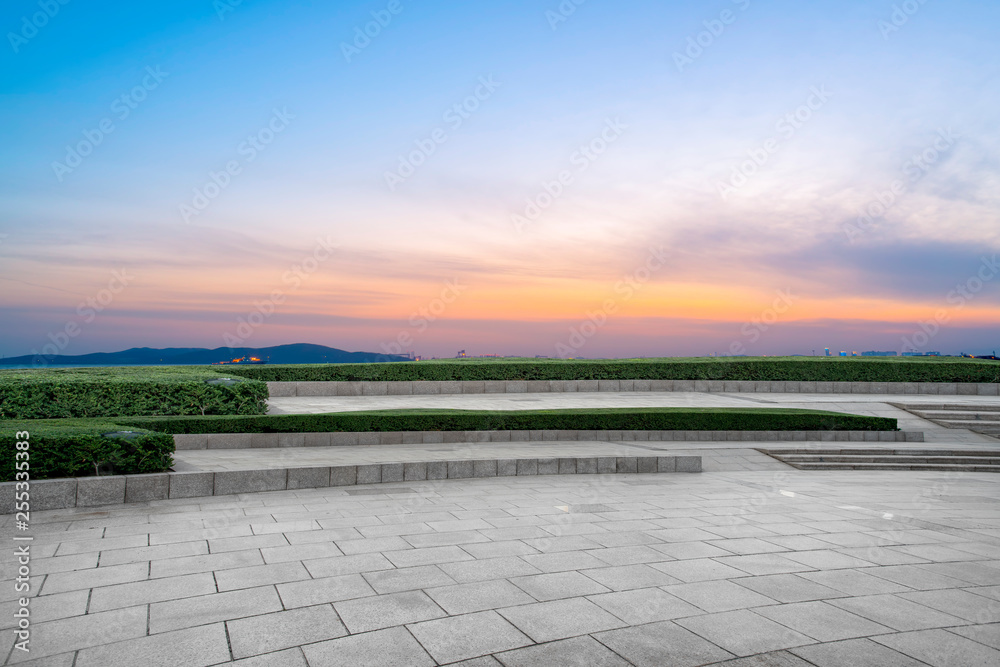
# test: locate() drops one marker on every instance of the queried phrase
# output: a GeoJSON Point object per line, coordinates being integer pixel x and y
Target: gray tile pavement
{"type": "Point", "coordinates": [779, 567]}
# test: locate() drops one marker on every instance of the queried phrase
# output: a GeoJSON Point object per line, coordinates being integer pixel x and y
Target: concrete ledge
{"type": "Point", "coordinates": [278, 440]}
{"type": "Point", "coordinates": [191, 484]}
{"type": "Point", "coordinates": [370, 474]}
{"type": "Point", "coordinates": [308, 478]}
{"type": "Point", "coordinates": [50, 494]}
{"type": "Point", "coordinates": [343, 475]}
{"type": "Point", "coordinates": [230, 482]}
{"type": "Point", "coordinates": [116, 490]}
{"type": "Point", "coordinates": [144, 488]}
{"type": "Point", "coordinates": [92, 491]}
{"type": "Point", "coordinates": [289, 389]}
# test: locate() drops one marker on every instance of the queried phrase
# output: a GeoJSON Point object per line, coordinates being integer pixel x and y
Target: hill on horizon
{"type": "Point", "coordinates": [295, 353]}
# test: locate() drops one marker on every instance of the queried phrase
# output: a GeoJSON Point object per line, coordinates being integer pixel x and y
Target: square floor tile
{"type": "Point", "coordinates": [644, 605]}
{"type": "Point", "coordinates": [659, 644]}
{"type": "Point", "coordinates": [822, 621]}
{"type": "Point", "coordinates": [557, 585]}
{"type": "Point", "coordinates": [715, 596]}
{"type": "Point", "coordinates": [394, 647]}
{"type": "Point", "coordinates": [575, 652]}
{"type": "Point", "coordinates": [897, 612]}
{"type": "Point", "coordinates": [744, 632]}
{"type": "Point", "coordinates": [854, 652]}
{"type": "Point", "coordinates": [547, 621]}
{"type": "Point", "coordinates": [283, 629]}
{"type": "Point", "coordinates": [941, 648]}
{"type": "Point", "coordinates": [468, 636]}
{"type": "Point", "coordinates": [386, 611]}
{"type": "Point", "coordinates": [478, 596]}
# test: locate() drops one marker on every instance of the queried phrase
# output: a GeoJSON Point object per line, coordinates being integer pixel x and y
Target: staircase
{"type": "Point", "coordinates": [983, 419]}
{"type": "Point", "coordinates": [889, 459]}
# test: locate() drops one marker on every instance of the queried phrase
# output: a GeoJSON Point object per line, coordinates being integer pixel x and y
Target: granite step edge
{"type": "Point", "coordinates": [66, 493]}
{"type": "Point", "coordinates": [185, 442]}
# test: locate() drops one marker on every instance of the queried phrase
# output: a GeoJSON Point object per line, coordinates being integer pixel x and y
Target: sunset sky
{"type": "Point", "coordinates": [608, 179]}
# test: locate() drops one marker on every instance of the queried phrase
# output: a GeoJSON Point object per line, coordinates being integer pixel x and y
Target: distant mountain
{"type": "Point", "coordinates": [298, 353]}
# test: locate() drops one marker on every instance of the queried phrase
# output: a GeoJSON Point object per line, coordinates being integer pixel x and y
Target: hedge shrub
{"type": "Point", "coordinates": [112, 392]}
{"type": "Point", "coordinates": [665, 419]}
{"type": "Point", "coordinates": [806, 369]}
{"type": "Point", "coordinates": [80, 450]}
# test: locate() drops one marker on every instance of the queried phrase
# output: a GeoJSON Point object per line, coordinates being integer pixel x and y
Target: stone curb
{"type": "Point", "coordinates": [192, 441]}
{"type": "Point", "coordinates": [287, 389]}
{"type": "Point", "coordinates": [51, 494]}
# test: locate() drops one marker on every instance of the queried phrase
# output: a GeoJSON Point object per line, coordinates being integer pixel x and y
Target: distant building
{"type": "Point", "coordinates": [843, 353]}
{"type": "Point", "coordinates": [921, 354]}
{"type": "Point", "coordinates": [873, 353]}
{"type": "Point", "coordinates": [827, 350]}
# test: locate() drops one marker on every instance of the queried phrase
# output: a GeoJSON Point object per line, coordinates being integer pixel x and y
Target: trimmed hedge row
{"type": "Point", "coordinates": [776, 369]}
{"type": "Point", "coordinates": [113, 392]}
{"type": "Point", "coordinates": [80, 448]}
{"type": "Point", "coordinates": [657, 419]}
{"type": "Point", "coordinates": [68, 450]}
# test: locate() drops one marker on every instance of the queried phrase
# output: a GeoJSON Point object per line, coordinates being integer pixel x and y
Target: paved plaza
{"type": "Point", "coordinates": [821, 568]}
{"type": "Point", "coordinates": [750, 563]}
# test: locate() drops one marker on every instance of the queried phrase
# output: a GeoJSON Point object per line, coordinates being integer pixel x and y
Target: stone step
{"type": "Point", "coordinates": [871, 451]}
{"type": "Point", "coordinates": [942, 467]}
{"type": "Point", "coordinates": [952, 406]}
{"type": "Point", "coordinates": [346, 438]}
{"type": "Point", "coordinates": [951, 415]}
{"type": "Point", "coordinates": [827, 458]}
{"type": "Point", "coordinates": [48, 494]}
{"type": "Point", "coordinates": [899, 459]}
{"type": "Point", "coordinates": [978, 426]}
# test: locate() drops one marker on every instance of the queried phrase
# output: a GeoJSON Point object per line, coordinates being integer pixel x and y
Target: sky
{"type": "Point", "coordinates": [581, 178]}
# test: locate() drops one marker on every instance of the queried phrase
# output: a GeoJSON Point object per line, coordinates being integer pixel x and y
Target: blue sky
{"type": "Point", "coordinates": [872, 89]}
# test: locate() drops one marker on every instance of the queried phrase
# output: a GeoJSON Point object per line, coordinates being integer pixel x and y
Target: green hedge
{"type": "Point", "coordinates": [112, 392]}
{"type": "Point", "coordinates": [659, 419]}
{"type": "Point", "coordinates": [797, 369]}
{"type": "Point", "coordinates": [78, 448]}
{"type": "Point", "coordinates": [67, 448]}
